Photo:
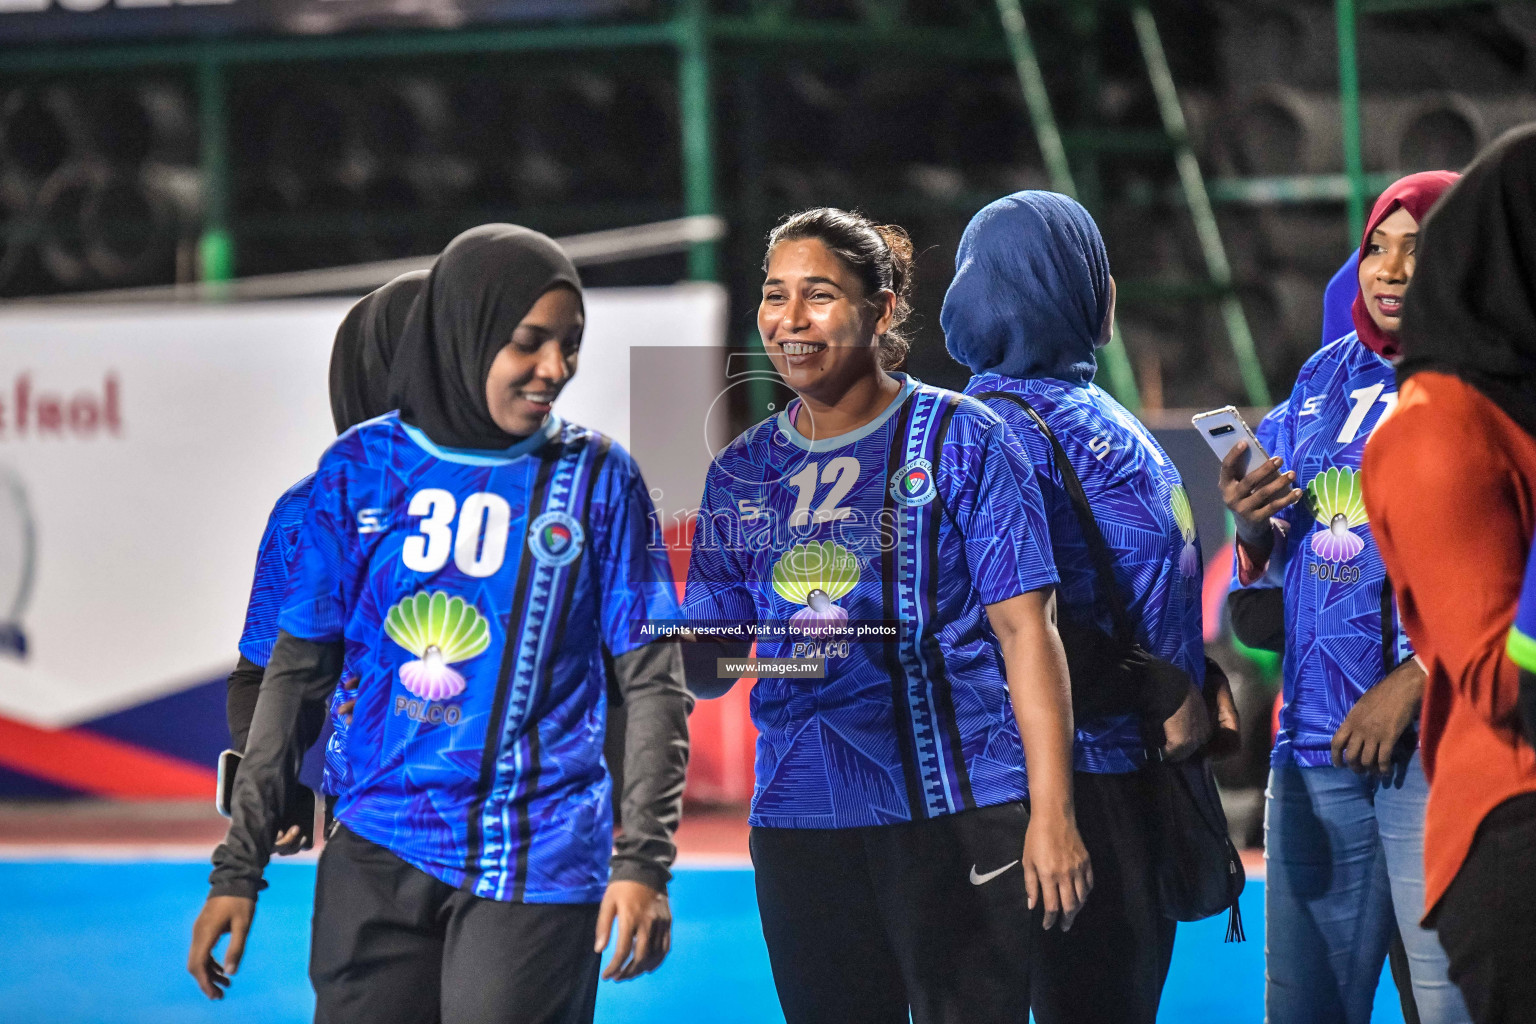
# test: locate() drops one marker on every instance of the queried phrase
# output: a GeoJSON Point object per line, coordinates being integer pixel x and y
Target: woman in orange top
{"type": "Point", "coordinates": [1450, 485]}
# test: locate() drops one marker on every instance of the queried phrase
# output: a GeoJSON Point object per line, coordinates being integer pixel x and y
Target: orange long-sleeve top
{"type": "Point", "coordinates": [1450, 486]}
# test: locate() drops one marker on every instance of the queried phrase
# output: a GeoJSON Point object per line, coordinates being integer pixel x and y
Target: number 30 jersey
{"type": "Point", "coordinates": [913, 523]}
{"type": "Point", "coordinates": [475, 592]}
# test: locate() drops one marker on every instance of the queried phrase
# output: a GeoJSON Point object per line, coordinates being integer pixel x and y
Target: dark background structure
{"type": "Point", "coordinates": [182, 155]}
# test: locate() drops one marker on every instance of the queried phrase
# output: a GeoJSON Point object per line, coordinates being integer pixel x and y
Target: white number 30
{"type": "Point", "coordinates": [481, 542]}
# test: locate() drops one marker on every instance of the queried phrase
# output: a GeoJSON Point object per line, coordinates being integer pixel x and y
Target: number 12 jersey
{"type": "Point", "coordinates": [912, 524]}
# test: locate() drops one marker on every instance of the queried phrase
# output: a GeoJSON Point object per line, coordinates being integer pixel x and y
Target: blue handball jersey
{"type": "Point", "coordinates": [322, 764]}
{"type": "Point", "coordinates": [271, 582]}
{"type": "Point", "coordinates": [1522, 635]}
{"type": "Point", "coordinates": [1139, 502]}
{"type": "Point", "coordinates": [1342, 633]}
{"type": "Point", "coordinates": [909, 526]}
{"type": "Point", "coordinates": [476, 592]}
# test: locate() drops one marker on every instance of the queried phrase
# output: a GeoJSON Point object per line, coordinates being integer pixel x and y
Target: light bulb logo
{"type": "Point", "coordinates": [440, 630]}
{"type": "Point", "coordinates": [1184, 516]}
{"type": "Point", "coordinates": [815, 575]}
{"type": "Point", "coordinates": [1338, 504]}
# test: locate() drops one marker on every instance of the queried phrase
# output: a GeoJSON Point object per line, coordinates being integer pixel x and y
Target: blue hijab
{"type": "Point", "coordinates": [1338, 297]}
{"type": "Point", "coordinates": [1031, 290]}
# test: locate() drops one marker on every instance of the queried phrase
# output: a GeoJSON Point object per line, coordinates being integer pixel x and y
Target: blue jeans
{"type": "Point", "coordinates": [1345, 860]}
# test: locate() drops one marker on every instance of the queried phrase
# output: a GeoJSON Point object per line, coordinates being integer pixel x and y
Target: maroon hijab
{"type": "Point", "coordinates": [1416, 193]}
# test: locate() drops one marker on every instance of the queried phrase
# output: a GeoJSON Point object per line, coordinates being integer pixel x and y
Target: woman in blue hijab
{"type": "Point", "coordinates": [1031, 301]}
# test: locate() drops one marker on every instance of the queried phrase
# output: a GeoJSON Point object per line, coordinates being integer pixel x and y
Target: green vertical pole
{"type": "Point", "coordinates": [693, 81]}
{"type": "Point", "coordinates": [1036, 100]}
{"type": "Point", "coordinates": [216, 247]}
{"type": "Point", "coordinates": [1199, 200]}
{"type": "Point", "coordinates": [1349, 108]}
{"type": "Point", "coordinates": [1119, 378]}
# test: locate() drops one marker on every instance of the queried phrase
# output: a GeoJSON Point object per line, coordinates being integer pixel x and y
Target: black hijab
{"type": "Point", "coordinates": [1471, 310]}
{"type": "Point", "coordinates": [365, 347]}
{"type": "Point", "coordinates": [477, 292]}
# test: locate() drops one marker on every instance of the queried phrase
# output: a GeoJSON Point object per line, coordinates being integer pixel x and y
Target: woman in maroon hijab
{"type": "Point", "coordinates": [1344, 818]}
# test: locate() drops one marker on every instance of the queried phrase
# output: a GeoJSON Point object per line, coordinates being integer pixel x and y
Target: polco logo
{"type": "Point", "coordinates": [30, 411]}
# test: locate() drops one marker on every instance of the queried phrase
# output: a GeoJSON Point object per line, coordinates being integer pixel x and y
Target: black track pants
{"type": "Point", "coordinates": [1112, 964]}
{"type": "Point", "coordinates": [863, 923]}
{"type": "Point", "coordinates": [393, 944]}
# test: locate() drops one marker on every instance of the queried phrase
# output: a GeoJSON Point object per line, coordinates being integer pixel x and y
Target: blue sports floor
{"type": "Point", "coordinates": [106, 943]}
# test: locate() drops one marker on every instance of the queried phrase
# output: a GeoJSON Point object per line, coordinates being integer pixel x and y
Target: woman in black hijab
{"type": "Point", "coordinates": [476, 294]}
{"type": "Point", "coordinates": [360, 360]}
{"type": "Point", "coordinates": [476, 557]}
{"type": "Point", "coordinates": [365, 350]}
{"type": "Point", "coordinates": [1450, 486]}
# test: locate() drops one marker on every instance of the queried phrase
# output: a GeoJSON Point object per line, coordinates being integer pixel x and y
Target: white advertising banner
{"type": "Point", "coordinates": [142, 447]}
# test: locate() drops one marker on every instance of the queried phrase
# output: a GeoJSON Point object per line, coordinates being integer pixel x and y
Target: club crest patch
{"type": "Point", "coordinates": [913, 484]}
{"type": "Point", "coordinates": [555, 539]}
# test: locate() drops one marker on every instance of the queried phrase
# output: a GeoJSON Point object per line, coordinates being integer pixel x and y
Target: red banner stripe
{"type": "Point", "coordinates": [80, 760]}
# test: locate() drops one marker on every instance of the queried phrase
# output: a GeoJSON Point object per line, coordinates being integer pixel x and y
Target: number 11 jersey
{"type": "Point", "coordinates": [914, 522]}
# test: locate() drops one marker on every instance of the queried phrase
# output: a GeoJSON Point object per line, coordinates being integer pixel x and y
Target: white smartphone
{"type": "Point", "coordinates": [1223, 428]}
{"type": "Point", "coordinates": [229, 763]}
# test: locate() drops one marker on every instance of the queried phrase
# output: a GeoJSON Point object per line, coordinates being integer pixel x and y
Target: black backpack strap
{"type": "Point", "coordinates": [1098, 548]}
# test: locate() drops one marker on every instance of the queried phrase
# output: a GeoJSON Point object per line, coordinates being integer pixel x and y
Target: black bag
{"type": "Point", "coordinates": [1199, 871]}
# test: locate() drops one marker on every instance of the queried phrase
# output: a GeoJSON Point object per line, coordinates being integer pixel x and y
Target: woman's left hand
{"type": "Point", "coordinates": [1367, 739]}
{"type": "Point", "coordinates": [1057, 873]}
{"type": "Point", "coordinates": [644, 929]}
{"type": "Point", "coordinates": [1227, 730]}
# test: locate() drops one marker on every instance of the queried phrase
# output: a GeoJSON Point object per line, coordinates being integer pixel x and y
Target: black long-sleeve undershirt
{"type": "Point", "coordinates": [1258, 617]}
{"type": "Point", "coordinates": [287, 719]}
{"type": "Point", "coordinates": [240, 694]}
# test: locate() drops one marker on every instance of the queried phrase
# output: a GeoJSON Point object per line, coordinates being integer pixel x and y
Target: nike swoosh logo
{"type": "Point", "coordinates": [984, 879]}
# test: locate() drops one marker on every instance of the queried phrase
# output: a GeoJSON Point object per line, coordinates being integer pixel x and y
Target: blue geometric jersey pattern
{"type": "Point", "coordinates": [271, 583]}
{"type": "Point", "coordinates": [475, 592]}
{"type": "Point", "coordinates": [321, 769]}
{"type": "Point", "coordinates": [1139, 501]}
{"type": "Point", "coordinates": [1342, 633]}
{"type": "Point", "coordinates": [920, 518]}
{"type": "Point", "coordinates": [1522, 634]}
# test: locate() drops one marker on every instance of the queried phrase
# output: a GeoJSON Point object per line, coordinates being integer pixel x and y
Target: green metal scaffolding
{"type": "Point", "coordinates": [694, 36]}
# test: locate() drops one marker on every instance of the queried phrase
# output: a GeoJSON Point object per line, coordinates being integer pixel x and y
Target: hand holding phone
{"type": "Point", "coordinates": [296, 824]}
{"type": "Point", "coordinates": [1223, 429]}
{"type": "Point", "coordinates": [1253, 485]}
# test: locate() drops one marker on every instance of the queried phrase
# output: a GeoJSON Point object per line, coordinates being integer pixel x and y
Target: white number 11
{"type": "Point", "coordinates": [1364, 398]}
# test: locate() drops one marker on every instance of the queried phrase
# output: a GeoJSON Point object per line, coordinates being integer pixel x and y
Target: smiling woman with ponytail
{"type": "Point", "coordinates": [904, 864]}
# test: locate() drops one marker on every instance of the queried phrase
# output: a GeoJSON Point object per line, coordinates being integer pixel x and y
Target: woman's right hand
{"type": "Point", "coordinates": [1256, 497]}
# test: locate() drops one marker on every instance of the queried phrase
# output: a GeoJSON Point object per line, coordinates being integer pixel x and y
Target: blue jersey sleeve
{"type": "Point", "coordinates": [997, 506]}
{"type": "Point", "coordinates": [717, 590]}
{"type": "Point", "coordinates": [328, 568]}
{"type": "Point", "coordinates": [271, 581]}
{"type": "Point", "coordinates": [1522, 637]}
{"type": "Point", "coordinates": [635, 576]}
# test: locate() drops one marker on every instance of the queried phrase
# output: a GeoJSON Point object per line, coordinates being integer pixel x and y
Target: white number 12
{"type": "Point", "coordinates": [842, 473]}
